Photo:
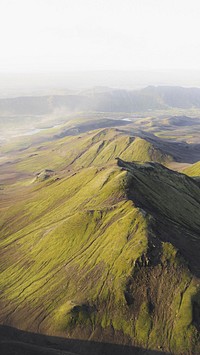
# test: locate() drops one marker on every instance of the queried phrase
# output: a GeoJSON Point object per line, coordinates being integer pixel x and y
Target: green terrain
{"type": "Point", "coordinates": [99, 238]}
{"type": "Point", "coordinates": [193, 170]}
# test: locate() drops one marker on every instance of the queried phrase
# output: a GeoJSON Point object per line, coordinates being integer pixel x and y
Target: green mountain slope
{"type": "Point", "coordinates": [93, 148]}
{"type": "Point", "coordinates": [108, 250]}
{"type": "Point", "coordinates": [193, 170]}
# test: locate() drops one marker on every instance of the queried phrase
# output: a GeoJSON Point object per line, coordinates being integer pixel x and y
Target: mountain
{"type": "Point", "coordinates": [181, 121]}
{"type": "Point", "coordinates": [104, 100]}
{"type": "Point", "coordinates": [95, 147]}
{"type": "Point", "coordinates": [174, 96]}
{"type": "Point", "coordinates": [100, 242]}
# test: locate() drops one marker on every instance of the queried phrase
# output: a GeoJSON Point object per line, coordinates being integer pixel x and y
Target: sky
{"type": "Point", "coordinates": [90, 35]}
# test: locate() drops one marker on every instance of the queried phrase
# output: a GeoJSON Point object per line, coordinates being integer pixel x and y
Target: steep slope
{"type": "Point", "coordinates": [160, 192]}
{"type": "Point", "coordinates": [107, 252]}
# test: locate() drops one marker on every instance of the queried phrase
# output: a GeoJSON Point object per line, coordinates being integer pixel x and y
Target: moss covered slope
{"type": "Point", "coordinates": [193, 170]}
{"type": "Point", "coordinates": [93, 148]}
{"type": "Point", "coordinates": [109, 252]}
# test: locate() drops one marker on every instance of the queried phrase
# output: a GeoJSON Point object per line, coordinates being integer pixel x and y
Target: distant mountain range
{"type": "Point", "coordinates": [103, 99]}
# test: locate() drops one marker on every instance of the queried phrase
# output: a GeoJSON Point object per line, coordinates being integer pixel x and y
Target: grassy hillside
{"type": "Point", "coordinates": [93, 148]}
{"type": "Point", "coordinates": [99, 248]}
{"type": "Point", "coordinates": [193, 170]}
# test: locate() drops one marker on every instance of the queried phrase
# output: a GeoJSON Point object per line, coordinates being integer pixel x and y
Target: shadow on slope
{"type": "Point", "coordinates": [173, 199]}
{"type": "Point", "coordinates": [182, 152]}
{"type": "Point", "coordinates": [14, 342]}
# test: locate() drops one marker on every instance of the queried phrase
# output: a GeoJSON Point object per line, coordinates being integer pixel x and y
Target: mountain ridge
{"type": "Point", "coordinates": [106, 100]}
{"type": "Point", "coordinates": [84, 290]}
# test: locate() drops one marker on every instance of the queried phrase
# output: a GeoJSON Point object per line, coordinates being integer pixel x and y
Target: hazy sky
{"type": "Point", "coordinates": [64, 35]}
